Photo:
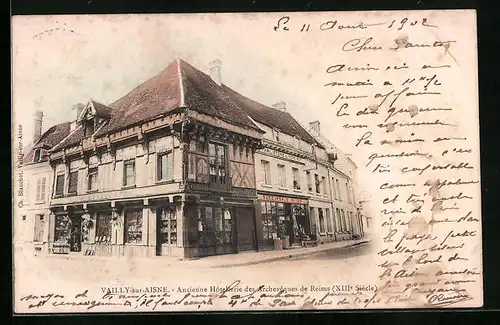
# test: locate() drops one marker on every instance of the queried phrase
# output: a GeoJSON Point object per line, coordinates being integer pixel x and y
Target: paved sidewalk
{"type": "Point", "coordinates": [224, 261]}
{"type": "Point", "coordinates": [252, 258]}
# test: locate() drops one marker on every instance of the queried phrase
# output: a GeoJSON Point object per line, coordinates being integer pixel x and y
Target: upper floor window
{"type": "Point", "coordinates": [165, 166]}
{"type": "Point", "coordinates": [309, 181]}
{"type": "Point", "coordinates": [266, 172]}
{"type": "Point", "coordinates": [92, 185]}
{"type": "Point", "coordinates": [129, 173]}
{"type": "Point", "coordinates": [339, 194]}
{"type": "Point", "coordinates": [60, 184]}
{"type": "Point", "coordinates": [317, 183]}
{"type": "Point", "coordinates": [217, 162]}
{"type": "Point", "coordinates": [89, 127]}
{"type": "Point", "coordinates": [296, 178]}
{"type": "Point", "coordinates": [73, 182]}
{"type": "Point", "coordinates": [323, 181]}
{"type": "Point", "coordinates": [281, 176]}
{"type": "Point", "coordinates": [348, 192]}
{"type": "Point", "coordinates": [40, 189]}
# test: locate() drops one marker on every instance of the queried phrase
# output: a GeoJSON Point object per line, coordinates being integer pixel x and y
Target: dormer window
{"type": "Point", "coordinates": [38, 155]}
{"type": "Point", "coordinates": [89, 127]}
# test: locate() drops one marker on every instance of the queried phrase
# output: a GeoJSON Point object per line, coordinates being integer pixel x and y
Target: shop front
{"type": "Point", "coordinates": [284, 216]}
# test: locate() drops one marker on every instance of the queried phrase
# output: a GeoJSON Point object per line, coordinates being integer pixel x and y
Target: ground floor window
{"type": "Point", "coordinates": [39, 225]}
{"type": "Point", "coordinates": [321, 217]}
{"type": "Point", "coordinates": [62, 228]}
{"type": "Point", "coordinates": [328, 221]}
{"type": "Point", "coordinates": [133, 226]}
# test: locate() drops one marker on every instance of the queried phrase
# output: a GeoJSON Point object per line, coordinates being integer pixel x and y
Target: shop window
{"type": "Point", "coordinates": [92, 185]}
{"type": "Point", "coordinates": [133, 226]}
{"type": "Point", "coordinates": [281, 176]}
{"type": "Point", "coordinates": [129, 173]}
{"type": "Point", "coordinates": [296, 178]}
{"type": "Point", "coordinates": [73, 182]}
{"type": "Point", "coordinates": [60, 184]}
{"type": "Point", "coordinates": [39, 225]}
{"type": "Point", "coordinates": [215, 226]}
{"type": "Point", "coordinates": [103, 227]}
{"type": "Point", "coordinates": [40, 189]}
{"type": "Point", "coordinates": [266, 172]}
{"type": "Point", "coordinates": [168, 226]}
{"type": "Point", "coordinates": [165, 166]}
{"type": "Point", "coordinates": [217, 163]}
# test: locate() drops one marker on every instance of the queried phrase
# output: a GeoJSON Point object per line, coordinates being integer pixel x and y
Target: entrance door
{"type": "Point", "coordinates": [166, 230]}
{"type": "Point", "coordinates": [75, 237]}
{"type": "Point", "coordinates": [245, 225]}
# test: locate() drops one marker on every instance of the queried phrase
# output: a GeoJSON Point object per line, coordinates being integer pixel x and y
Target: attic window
{"type": "Point", "coordinates": [89, 127]}
{"type": "Point", "coordinates": [38, 155]}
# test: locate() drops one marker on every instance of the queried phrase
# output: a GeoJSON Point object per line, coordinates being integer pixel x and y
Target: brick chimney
{"type": "Point", "coordinates": [281, 106]}
{"type": "Point", "coordinates": [315, 128]}
{"type": "Point", "coordinates": [37, 125]}
{"type": "Point", "coordinates": [216, 71]}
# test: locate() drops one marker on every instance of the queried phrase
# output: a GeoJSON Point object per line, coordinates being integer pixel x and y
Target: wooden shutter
{"type": "Point", "coordinates": [42, 190]}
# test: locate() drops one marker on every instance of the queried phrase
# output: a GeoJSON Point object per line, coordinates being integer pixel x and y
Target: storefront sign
{"type": "Point", "coordinates": [280, 154]}
{"type": "Point", "coordinates": [283, 199]}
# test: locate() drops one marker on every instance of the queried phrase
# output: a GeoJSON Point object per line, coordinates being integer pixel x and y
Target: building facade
{"type": "Point", "coordinates": [185, 166]}
{"type": "Point", "coordinates": [346, 208]}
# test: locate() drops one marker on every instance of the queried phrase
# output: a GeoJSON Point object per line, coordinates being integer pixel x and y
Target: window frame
{"type": "Point", "coordinates": [134, 213]}
{"type": "Point", "coordinates": [296, 178]}
{"type": "Point", "coordinates": [216, 178]}
{"type": "Point", "coordinates": [69, 182]}
{"type": "Point", "coordinates": [94, 171]}
{"type": "Point", "coordinates": [125, 164]}
{"type": "Point", "coordinates": [63, 181]}
{"type": "Point", "coordinates": [41, 184]}
{"type": "Point", "coordinates": [281, 176]}
{"type": "Point", "coordinates": [266, 168]}
{"type": "Point", "coordinates": [169, 154]}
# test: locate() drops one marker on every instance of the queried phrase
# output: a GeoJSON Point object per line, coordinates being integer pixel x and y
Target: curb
{"type": "Point", "coordinates": [289, 256]}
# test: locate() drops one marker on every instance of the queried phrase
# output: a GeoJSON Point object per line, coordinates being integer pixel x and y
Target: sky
{"type": "Point", "coordinates": [104, 57]}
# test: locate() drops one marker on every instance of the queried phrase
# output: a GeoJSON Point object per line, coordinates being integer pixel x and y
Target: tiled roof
{"type": "Point", "coordinates": [48, 139]}
{"type": "Point", "coordinates": [271, 117]}
{"type": "Point", "coordinates": [101, 109]}
{"type": "Point", "coordinates": [182, 85]}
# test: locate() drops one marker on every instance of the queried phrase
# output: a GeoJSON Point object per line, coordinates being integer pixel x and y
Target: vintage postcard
{"type": "Point", "coordinates": [246, 162]}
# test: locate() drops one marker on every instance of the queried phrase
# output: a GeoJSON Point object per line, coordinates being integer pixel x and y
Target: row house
{"type": "Point", "coordinates": [346, 208]}
{"type": "Point", "coordinates": [30, 224]}
{"type": "Point", "coordinates": [168, 169]}
{"type": "Point", "coordinates": [291, 176]}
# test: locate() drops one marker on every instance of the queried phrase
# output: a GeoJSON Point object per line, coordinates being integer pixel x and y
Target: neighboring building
{"type": "Point", "coordinates": [342, 175]}
{"type": "Point", "coordinates": [168, 169]}
{"type": "Point", "coordinates": [31, 227]}
{"type": "Point", "coordinates": [291, 174]}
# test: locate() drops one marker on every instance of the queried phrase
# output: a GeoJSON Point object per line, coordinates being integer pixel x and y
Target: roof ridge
{"type": "Point", "coordinates": [181, 82]}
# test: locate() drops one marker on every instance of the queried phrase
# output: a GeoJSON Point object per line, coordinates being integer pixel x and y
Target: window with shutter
{"type": "Point", "coordinates": [40, 189]}
{"type": "Point", "coordinates": [60, 184]}
{"type": "Point", "coordinates": [73, 182]}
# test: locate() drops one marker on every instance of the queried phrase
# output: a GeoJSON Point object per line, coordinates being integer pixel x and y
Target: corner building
{"type": "Point", "coordinates": [168, 169]}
